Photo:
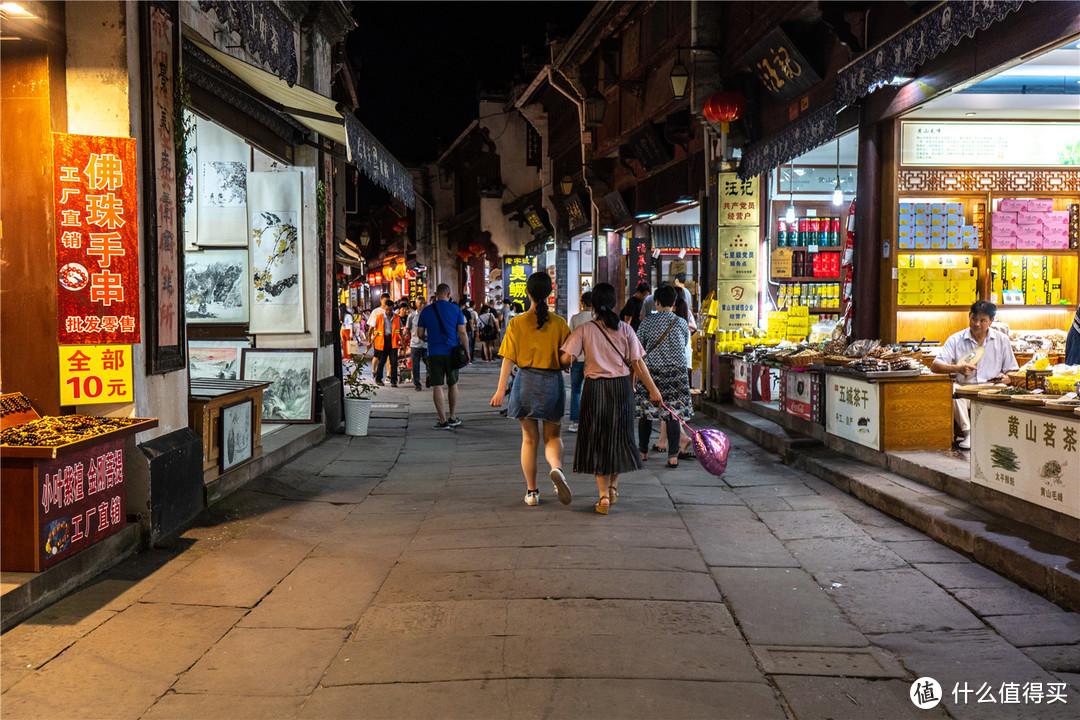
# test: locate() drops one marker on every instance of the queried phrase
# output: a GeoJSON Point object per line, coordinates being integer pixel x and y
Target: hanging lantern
{"type": "Point", "coordinates": [723, 108]}
{"type": "Point", "coordinates": [476, 249]}
{"type": "Point", "coordinates": [464, 255]}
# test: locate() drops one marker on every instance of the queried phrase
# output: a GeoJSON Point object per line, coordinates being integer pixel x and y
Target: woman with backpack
{"type": "Point", "coordinates": [488, 332]}
{"type": "Point", "coordinates": [606, 445]}
{"type": "Point", "coordinates": [538, 395]}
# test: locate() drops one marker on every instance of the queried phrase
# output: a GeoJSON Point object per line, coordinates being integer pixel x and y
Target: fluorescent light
{"type": "Point", "coordinates": [15, 10]}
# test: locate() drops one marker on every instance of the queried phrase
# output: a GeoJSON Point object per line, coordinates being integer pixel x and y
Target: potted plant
{"type": "Point", "coordinates": [358, 396]}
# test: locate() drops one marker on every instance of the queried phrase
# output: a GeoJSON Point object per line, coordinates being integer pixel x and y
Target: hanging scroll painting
{"type": "Point", "coordinates": [275, 252]}
{"type": "Point", "coordinates": [221, 187]}
{"type": "Point", "coordinates": [216, 286]}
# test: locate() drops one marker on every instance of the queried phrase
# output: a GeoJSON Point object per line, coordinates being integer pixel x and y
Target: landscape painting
{"type": "Point", "coordinates": [291, 395]}
{"type": "Point", "coordinates": [215, 359]}
{"type": "Point", "coordinates": [215, 286]}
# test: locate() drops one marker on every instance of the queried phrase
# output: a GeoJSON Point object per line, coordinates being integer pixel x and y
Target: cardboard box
{"type": "Point", "coordinates": [954, 209]}
{"type": "Point", "coordinates": [921, 209]}
{"type": "Point", "coordinates": [1029, 240]}
{"type": "Point", "coordinates": [905, 261]}
{"type": "Point", "coordinates": [908, 298]}
{"type": "Point", "coordinates": [906, 207]}
{"type": "Point", "coordinates": [1055, 238]}
{"type": "Point", "coordinates": [937, 208]}
{"type": "Point", "coordinates": [999, 217]}
{"type": "Point", "coordinates": [1057, 218]}
{"type": "Point", "coordinates": [922, 242]}
{"type": "Point", "coordinates": [1029, 218]}
{"type": "Point", "coordinates": [1039, 205]}
{"type": "Point", "coordinates": [953, 221]}
{"type": "Point", "coordinates": [1013, 205]}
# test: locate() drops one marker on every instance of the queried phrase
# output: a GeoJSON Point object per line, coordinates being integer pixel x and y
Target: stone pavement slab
{"type": "Point", "coordinates": [825, 556]}
{"type": "Point", "coordinates": [264, 661]}
{"type": "Point", "coordinates": [839, 698]}
{"type": "Point", "coordinates": [953, 576]}
{"type": "Point", "coordinates": [900, 600]}
{"type": "Point", "coordinates": [234, 707]}
{"type": "Point", "coordinates": [1050, 628]}
{"type": "Point", "coordinates": [773, 606]}
{"type": "Point", "coordinates": [1004, 601]}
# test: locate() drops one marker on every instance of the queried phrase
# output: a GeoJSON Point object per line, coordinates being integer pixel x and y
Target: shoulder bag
{"type": "Point", "coordinates": [459, 356]}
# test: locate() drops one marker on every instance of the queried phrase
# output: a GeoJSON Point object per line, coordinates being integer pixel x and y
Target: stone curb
{"type": "Point", "coordinates": [1025, 554]}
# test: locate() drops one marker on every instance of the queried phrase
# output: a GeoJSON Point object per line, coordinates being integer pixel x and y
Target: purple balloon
{"type": "Point", "coordinates": [711, 448]}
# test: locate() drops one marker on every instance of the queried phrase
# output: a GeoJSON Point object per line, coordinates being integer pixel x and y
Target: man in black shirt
{"type": "Point", "coordinates": [631, 312]}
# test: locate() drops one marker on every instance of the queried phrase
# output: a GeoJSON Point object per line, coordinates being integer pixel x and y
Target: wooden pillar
{"type": "Point", "coordinates": [868, 240]}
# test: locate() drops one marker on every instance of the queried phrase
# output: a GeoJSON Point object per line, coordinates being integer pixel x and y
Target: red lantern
{"type": "Point", "coordinates": [464, 255]}
{"type": "Point", "coordinates": [723, 108]}
{"type": "Point", "coordinates": [476, 249]}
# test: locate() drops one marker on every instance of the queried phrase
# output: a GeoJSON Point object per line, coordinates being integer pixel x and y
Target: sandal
{"type": "Point", "coordinates": [603, 506]}
{"type": "Point", "coordinates": [644, 457]}
{"type": "Point", "coordinates": [657, 448]}
{"type": "Point", "coordinates": [672, 463]}
{"type": "Point", "coordinates": [686, 455]}
{"type": "Point", "coordinates": [613, 495]}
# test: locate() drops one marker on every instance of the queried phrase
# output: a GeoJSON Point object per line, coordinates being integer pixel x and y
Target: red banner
{"type": "Point", "coordinates": [97, 239]}
{"type": "Point", "coordinates": [83, 499]}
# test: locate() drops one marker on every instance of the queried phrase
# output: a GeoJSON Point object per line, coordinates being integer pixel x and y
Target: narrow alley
{"type": "Point", "coordinates": [400, 575]}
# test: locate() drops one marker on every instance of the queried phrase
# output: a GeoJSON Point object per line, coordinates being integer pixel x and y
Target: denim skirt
{"type": "Point", "coordinates": [537, 394]}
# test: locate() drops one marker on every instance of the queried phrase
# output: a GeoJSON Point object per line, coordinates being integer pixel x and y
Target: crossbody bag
{"type": "Point", "coordinates": [459, 356]}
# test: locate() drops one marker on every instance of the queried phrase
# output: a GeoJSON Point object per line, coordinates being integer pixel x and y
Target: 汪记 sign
{"type": "Point", "coordinates": [81, 500]}
{"type": "Point", "coordinates": [95, 374]}
{"type": "Point", "coordinates": [97, 239]}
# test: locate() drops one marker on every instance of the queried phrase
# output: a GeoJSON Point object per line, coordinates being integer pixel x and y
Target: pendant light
{"type": "Point", "coordinates": [790, 217]}
{"type": "Point", "coordinates": [837, 195]}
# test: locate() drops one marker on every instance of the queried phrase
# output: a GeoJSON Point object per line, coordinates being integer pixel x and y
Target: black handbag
{"type": "Point", "coordinates": [459, 356]}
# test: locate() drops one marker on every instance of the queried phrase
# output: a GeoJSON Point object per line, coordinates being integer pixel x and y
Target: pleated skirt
{"type": "Point", "coordinates": [606, 424]}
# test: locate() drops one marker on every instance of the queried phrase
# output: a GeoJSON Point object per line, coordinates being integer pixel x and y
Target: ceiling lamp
{"type": "Point", "coordinates": [679, 78]}
{"type": "Point", "coordinates": [724, 108]}
{"type": "Point", "coordinates": [566, 185]}
{"type": "Point", "coordinates": [837, 194]}
{"type": "Point", "coordinates": [790, 215]}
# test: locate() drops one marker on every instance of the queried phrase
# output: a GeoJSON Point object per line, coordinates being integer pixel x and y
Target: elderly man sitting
{"type": "Point", "coordinates": [961, 358]}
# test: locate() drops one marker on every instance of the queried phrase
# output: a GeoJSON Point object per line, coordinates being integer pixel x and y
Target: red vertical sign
{"type": "Point", "coordinates": [97, 239]}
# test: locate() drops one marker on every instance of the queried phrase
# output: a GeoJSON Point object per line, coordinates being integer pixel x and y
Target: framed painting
{"type": "Point", "coordinates": [215, 286]}
{"type": "Point", "coordinates": [219, 359]}
{"type": "Point", "coordinates": [275, 250]}
{"type": "Point", "coordinates": [290, 398]}
{"type": "Point", "coordinates": [220, 188]}
{"type": "Point", "coordinates": [237, 427]}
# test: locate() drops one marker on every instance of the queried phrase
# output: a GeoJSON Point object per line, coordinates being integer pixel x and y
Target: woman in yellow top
{"type": "Point", "coordinates": [532, 343]}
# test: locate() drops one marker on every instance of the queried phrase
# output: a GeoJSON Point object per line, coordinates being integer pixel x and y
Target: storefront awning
{"type": "Point", "coordinates": [676, 236]}
{"type": "Point", "coordinates": [808, 132]}
{"type": "Point", "coordinates": [929, 35]}
{"type": "Point", "coordinates": [326, 117]}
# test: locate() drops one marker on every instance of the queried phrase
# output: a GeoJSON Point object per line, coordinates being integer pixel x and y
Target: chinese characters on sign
{"type": "Point", "coordinates": [780, 67]}
{"type": "Point", "coordinates": [516, 272]}
{"type": "Point", "coordinates": [82, 500]}
{"type": "Point", "coordinates": [161, 48]}
{"type": "Point", "coordinates": [739, 202]}
{"type": "Point", "coordinates": [738, 254]}
{"type": "Point", "coordinates": [1030, 455]}
{"type": "Point", "coordinates": [736, 306]}
{"type": "Point", "coordinates": [97, 239]}
{"type": "Point", "coordinates": [95, 374]}
{"type": "Point", "coordinates": [639, 262]}
{"type": "Point", "coordinates": [852, 410]}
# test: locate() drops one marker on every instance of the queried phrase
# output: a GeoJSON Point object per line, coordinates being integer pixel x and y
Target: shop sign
{"type": "Point", "coordinates": [82, 500]}
{"type": "Point", "coordinates": [780, 262]}
{"type": "Point", "coordinates": [739, 201]}
{"type": "Point", "coordinates": [801, 395]}
{"type": "Point", "coordinates": [998, 144]}
{"type": "Point", "coordinates": [736, 304]}
{"type": "Point", "coordinates": [95, 374]}
{"type": "Point", "coordinates": [639, 262]}
{"type": "Point", "coordinates": [738, 254]}
{"type": "Point", "coordinates": [741, 372]}
{"type": "Point", "coordinates": [852, 410]}
{"type": "Point", "coordinates": [516, 272]}
{"type": "Point", "coordinates": [649, 149]}
{"type": "Point", "coordinates": [780, 67]}
{"type": "Point", "coordinates": [97, 239]}
{"type": "Point", "coordinates": [585, 262]}
{"type": "Point", "coordinates": [575, 212]}
{"type": "Point", "coordinates": [1032, 456]}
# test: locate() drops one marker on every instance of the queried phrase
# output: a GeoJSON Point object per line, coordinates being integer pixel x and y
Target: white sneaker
{"type": "Point", "coordinates": [532, 497]}
{"type": "Point", "coordinates": [561, 488]}
{"type": "Point", "coordinates": [965, 444]}
{"type": "Point", "coordinates": [573, 427]}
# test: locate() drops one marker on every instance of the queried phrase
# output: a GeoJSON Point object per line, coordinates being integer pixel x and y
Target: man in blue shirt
{"type": "Point", "coordinates": [437, 325]}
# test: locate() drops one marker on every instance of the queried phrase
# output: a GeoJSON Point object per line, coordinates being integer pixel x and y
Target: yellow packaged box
{"type": "Point", "coordinates": [908, 298]}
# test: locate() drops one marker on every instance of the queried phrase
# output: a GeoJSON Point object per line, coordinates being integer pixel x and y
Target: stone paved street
{"type": "Point", "coordinates": [400, 575]}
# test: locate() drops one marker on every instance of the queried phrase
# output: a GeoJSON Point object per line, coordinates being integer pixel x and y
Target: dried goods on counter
{"type": "Point", "coordinates": [54, 431]}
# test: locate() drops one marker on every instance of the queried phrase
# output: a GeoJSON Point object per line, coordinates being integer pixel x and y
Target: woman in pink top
{"type": "Point", "coordinates": [605, 442]}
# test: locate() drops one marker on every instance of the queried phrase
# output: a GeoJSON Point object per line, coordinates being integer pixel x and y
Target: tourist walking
{"type": "Point", "coordinates": [538, 395]}
{"type": "Point", "coordinates": [606, 446]}
{"type": "Point", "coordinates": [664, 336]}
{"type": "Point", "coordinates": [442, 326]}
{"type": "Point", "coordinates": [386, 337]}
{"type": "Point", "coordinates": [417, 347]}
{"type": "Point", "coordinates": [577, 370]}
{"type": "Point", "coordinates": [488, 332]}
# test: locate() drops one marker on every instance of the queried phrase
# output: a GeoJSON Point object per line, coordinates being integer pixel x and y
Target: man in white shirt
{"type": "Point", "coordinates": [417, 347]}
{"type": "Point", "coordinates": [577, 369]}
{"type": "Point", "coordinates": [958, 357]}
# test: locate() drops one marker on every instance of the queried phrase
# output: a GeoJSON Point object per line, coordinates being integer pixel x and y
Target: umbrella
{"type": "Point", "coordinates": [710, 446]}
